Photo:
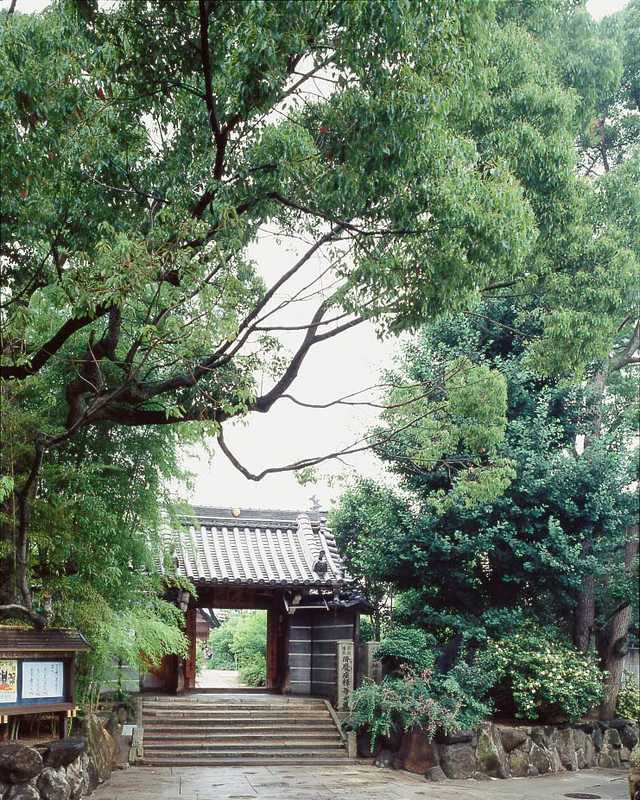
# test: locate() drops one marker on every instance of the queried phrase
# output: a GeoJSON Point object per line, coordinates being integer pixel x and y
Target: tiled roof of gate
{"type": "Point", "coordinates": [256, 546]}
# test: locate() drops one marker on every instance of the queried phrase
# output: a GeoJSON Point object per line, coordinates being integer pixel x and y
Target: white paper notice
{"type": "Point", "coordinates": [42, 679]}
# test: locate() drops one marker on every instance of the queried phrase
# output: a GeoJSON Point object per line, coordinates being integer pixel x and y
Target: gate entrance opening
{"type": "Point", "coordinates": [231, 649]}
{"type": "Point", "coordinates": [283, 563]}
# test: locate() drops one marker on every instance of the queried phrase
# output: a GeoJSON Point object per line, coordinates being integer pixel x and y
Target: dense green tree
{"type": "Point", "coordinates": [425, 150]}
{"type": "Point", "coordinates": [481, 563]}
{"type": "Point", "coordinates": [241, 643]}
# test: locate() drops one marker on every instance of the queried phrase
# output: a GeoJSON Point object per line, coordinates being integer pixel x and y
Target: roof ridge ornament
{"type": "Point", "coordinates": [320, 566]}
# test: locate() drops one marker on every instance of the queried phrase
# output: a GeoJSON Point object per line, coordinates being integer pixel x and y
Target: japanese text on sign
{"type": "Point", "coordinates": [42, 679]}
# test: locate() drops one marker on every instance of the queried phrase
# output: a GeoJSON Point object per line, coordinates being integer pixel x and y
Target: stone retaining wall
{"type": "Point", "coordinates": [66, 769]}
{"type": "Point", "coordinates": [505, 751]}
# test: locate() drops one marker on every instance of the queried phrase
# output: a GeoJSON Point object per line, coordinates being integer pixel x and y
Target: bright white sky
{"type": "Point", "coordinates": [348, 363]}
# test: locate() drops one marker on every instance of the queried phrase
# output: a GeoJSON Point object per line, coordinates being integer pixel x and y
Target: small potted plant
{"type": "Point", "coordinates": [634, 773]}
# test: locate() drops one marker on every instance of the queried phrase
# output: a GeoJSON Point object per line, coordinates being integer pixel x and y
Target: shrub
{"type": "Point", "coordinates": [634, 758]}
{"type": "Point", "coordinates": [539, 674]}
{"type": "Point", "coordinates": [450, 702]}
{"type": "Point", "coordinates": [238, 640]}
{"type": "Point", "coordinates": [628, 704]}
{"type": "Point", "coordinates": [407, 648]}
{"type": "Point", "coordinates": [253, 671]}
{"type": "Point", "coordinates": [367, 630]}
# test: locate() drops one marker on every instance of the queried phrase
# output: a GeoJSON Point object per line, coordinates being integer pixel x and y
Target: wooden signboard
{"type": "Point", "coordinates": [37, 671]}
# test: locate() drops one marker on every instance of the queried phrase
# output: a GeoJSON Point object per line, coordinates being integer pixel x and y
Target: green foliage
{"type": "Point", "coordinates": [139, 173]}
{"type": "Point", "coordinates": [543, 675]}
{"type": "Point", "coordinates": [139, 635]}
{"type": "Point", "coordinates": [253, 670]}
{"type": "Point", "coordinates": [407, 648]}
{"type": "Point", "coordinates": [520, 550]}
{"type": "Point", "coordinates": [452, 702]}
{"type": "Point", "coordinates": [367, 631]}
{"type": "Point", "coordinates": [96, 545]}
{"type": "Point", "coordinates": [634, 759]}
{"type": "Point", "coordinates": [241, 643]}
{"type": "Point", "coordinates": [628, 705]}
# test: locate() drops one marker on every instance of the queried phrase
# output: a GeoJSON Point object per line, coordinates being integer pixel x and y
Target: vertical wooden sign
{"type": "Point", "coordinates": [345, 673]}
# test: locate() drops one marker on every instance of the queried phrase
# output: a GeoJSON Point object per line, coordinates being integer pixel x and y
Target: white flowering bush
{"type": "Point", "coordinates": [628, 705]}
{"type": "Point", "coordinates": [543, 675]}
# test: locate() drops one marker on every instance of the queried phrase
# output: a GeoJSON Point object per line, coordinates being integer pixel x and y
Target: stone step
{"type": "Point", "coordinates": [245, 730]}
{"type": "Point", "coordinates": [288, 760]}
{"type": "Point", "coordinates": [233, 720]}
{"type": "Point", "coordinates": [236, 706]}
{"type": "Point", "coordinates": [285, 706]}
{"type": "Point", "coordinates": [194, 733]}
{"type": "Point", "coordinates": [276, 746]}
{"type": "Point", "coordinates": [258, 734]}
{"type": "Point", "coordinates": [239, 712]}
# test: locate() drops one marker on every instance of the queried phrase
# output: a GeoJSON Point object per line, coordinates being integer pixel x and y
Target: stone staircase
{"type": "Point", "coordinates": [236, 730]}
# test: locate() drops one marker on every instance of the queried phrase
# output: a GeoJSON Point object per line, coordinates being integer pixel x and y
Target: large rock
{"type": "Point", "coordinates": [540, 758]}
{"type": "Point", "coordinates": [612, 739]}
{"type": "Point", "coordinates": [457, 760]}
{"type": "Point", "coordinates": [435, 774]}
{"type": "Point", "coordinates": [629, 736]}
{"type": "Point", "coordinates": [459, 737]}
{"type": "Point", "coordinates": [23, 791]}
{"type": "Point", "coordinates": [101, 747]}
{"type": "Point", "coordinates": [588, 726]}
{"type": "Point", "coordinates": [543, 736]}
{"type": "Point", "coordinates": [618, 723]}
{"type": "Point", "coordinates": [597, 737]}
{"type": "Point", "coordinates": [18, 763]}
{"type": "Point", "coordinates": [490, 754]}
{"type": "Point", "coordinates": [512, 737]}
{"type": "Point", "coordinates": [77, 774]}
{"type": "Point", "coordinates": [610, 751]}
{"type": "Point", "coordinates": [53, 784]}
{"type": "Point", "coordinates": [609, 758]}
{"type": "Point", "coordinates": [566, 748]}
{"type": "Point", "coordinates": [63, 752]}
{"type": "Point", "coordinates": [384, 759]}
{"type": "Point", "coordinates": [519, 765]}
{"type": "Point", "coordinates": [416, 754]}
{"type": "Point", "coordinates": [585, 751]}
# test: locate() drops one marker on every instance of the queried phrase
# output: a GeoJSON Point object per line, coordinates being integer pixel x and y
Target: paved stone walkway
{"type": "Point", "coordinates": [352, 782]}
{"type": "Point", "coordinates": [219, 679]}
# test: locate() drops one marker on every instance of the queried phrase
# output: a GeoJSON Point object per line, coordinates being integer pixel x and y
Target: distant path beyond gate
{"type": "Point", "coordinates": [219, 679]}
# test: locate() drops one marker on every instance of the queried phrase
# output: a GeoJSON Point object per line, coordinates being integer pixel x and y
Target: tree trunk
{"type": "Point", "coordinates": [612, 639]}
{"type": "Point", "coordinates": [7, 553]}
{"type": "Point", "coordinates": [15, 591]}
{"type": "Point", "coordinates": [585, 613]}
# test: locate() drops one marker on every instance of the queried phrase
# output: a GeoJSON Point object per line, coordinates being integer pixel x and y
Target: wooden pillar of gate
{"type": "Point", "coordinates": [190, 663]}
{"type": "Point", "coordinates": [272, 648]}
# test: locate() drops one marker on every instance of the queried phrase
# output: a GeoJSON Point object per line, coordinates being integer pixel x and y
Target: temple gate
{"type": "Point", "coordinates": [281, 561]}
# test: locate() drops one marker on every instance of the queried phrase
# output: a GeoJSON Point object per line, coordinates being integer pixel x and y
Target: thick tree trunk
{"type": "Point", "coordinates": [612, 639]}
{"type": "Point", "coordinates": [585, 613]}
{"type": "Point", "coordinates": [7, 554]}
{"type": "Point", "coordinates": [15, 591]}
